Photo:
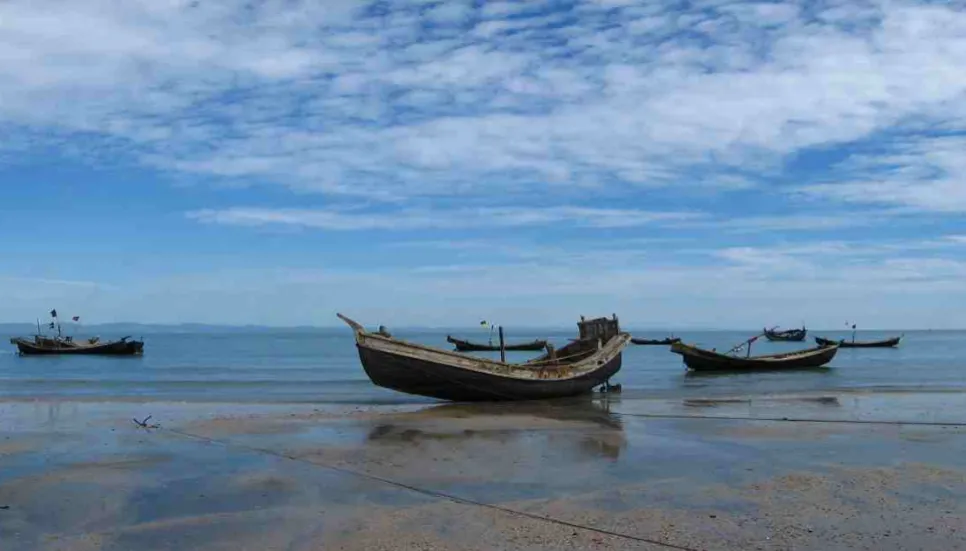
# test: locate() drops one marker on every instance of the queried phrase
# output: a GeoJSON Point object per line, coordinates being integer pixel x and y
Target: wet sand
{"type": "Point", "coordinates": [822, 472]}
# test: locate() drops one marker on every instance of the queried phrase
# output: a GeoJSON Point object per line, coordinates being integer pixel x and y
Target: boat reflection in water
{"type": "Point", "coordinates": [581, 426]}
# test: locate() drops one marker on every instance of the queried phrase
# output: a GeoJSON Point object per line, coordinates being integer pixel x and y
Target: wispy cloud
{"type": "Point", "coordinates": [53, 282]}
{"type": "Point", "coordinates": [442, 97]}
{"type": "Point", "coordinates": [454, 218]}
{"type": "Point", "coordinates": [746, 287]}
{"type": "Point", "coordinates": [739, 124]}
{"type": "Point", "coordinates": [921, 173]}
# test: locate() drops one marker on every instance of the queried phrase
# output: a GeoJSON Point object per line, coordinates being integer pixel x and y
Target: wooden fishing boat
{"type": "Point", "coordinates": [467, 346]}
{"type": "Point", "coordinates": [580, 366]}
{"type": "Point", "coordinates": [789, 335]}
{"type": "Point", "coordinates": [41, 345]}
{"type": "Point", "coordinates": [699, 359]}
{"type": "Point", "coordinates": [669, 340]}
{"type": "Point", "coordinates": [884, 343]}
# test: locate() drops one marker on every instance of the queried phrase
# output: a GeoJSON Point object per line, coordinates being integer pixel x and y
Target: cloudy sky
{"type": "Point", "coordinates": [421, 162]}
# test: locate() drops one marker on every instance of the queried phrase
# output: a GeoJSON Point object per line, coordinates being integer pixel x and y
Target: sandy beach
{"type": "Point", "coordinates": [601, 473]}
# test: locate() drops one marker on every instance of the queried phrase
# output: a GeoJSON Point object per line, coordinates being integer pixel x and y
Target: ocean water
{"type": "Point", "coordinates": [302, 366]}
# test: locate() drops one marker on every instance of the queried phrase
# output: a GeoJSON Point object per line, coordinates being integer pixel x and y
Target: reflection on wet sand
{"type": "Point", "coordinates": [715, 402]}
{"type": "Point", "coordinates": [597, 432]}
{"type": "Point", "coordinates": [797, 485]}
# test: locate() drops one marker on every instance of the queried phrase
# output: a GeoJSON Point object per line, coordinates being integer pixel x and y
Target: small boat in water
{"type": "Point", "coordinates": [577, 368]}
{"type": "Point", "coordinates": [41, 345]}
{"type": "Point", "coordinates": [699, 359]}
{"type": "Point", "coordinates": [669, 340]}
{"type": "Point", "coordinates": [467, 346]}
{"type": "Point", "coordinates": [884, 343]}
{"type": "Point", "coordinates": [789, 335]}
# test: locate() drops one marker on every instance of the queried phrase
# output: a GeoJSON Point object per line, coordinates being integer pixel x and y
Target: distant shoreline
{"type": "Point", "coordinates": [202, 327]}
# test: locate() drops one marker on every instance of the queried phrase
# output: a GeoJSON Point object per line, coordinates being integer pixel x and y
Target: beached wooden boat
{"type": "Point", "coordinates": [41, 346]}
{"type": "Point", "coordinates": [884, 343]}
{"type": "Point", "coordinates": [467, 346]}
{"type": "Point", "coordinates": [708, 360]}
{"type": "Point", "coordinates": [669, 340]}
{"type": "Point", "coordinates": [580, 366]}
{"type": "Point", "coordinates": [790, 335]}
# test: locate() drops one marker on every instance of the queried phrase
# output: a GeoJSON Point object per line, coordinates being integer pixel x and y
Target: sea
{"type": "Point", "coordinates": [321, 366]}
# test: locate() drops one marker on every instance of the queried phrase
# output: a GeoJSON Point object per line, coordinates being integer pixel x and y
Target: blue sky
{"type": "Point", "coordinates": [699, 163]}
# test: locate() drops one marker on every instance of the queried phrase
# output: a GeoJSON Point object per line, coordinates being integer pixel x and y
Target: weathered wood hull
{"type": "Point", "coordinates": [114, 348]}
{"type": "Point", "coordinates": [424, 378]}
{"type": "Point", "coordinates": [423, 370]}
{"type": "Point", "coordinates": [653, 342]}
{"type": "Point", "coordinates": [706, 360]}
{"type": "Point", "coordinates": [885, 343]}
{"type": "Point", "coordinates": [467, 346]}
{"type": "Point", "coordinates": [792, 335]}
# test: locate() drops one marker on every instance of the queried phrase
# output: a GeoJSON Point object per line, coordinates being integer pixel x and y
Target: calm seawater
{"type": "Point", "coordinates": [279, 366]}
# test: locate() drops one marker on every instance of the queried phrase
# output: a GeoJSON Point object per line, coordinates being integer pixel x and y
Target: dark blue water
{"type": "Point", "coordinates": [322, 367]}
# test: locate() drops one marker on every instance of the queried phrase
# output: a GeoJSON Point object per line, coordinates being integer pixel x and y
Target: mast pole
{"type": "Point", "coordinates": [502, 346]}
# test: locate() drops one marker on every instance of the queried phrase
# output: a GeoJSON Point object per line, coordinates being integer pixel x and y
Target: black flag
{"type": "Point", "coordinates": [51, 325]}
{"type": "Point", "coordinates": [53, 313]}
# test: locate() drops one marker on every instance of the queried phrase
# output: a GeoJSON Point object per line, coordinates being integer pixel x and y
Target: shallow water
{"type": "Point", "coordinates": [281, 366]}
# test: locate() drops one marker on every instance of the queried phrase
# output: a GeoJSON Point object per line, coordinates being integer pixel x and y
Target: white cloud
{"type": "Point", "coordinates": [453, 116]}
{"type": "Point", "coordinates": [199, 87]}
{"type": "Point", "coordinates": [924, 173]}
{"type": "Point", "coordinates": [451, 12]}
{"type": "Point", "coordinates": [491, 217]}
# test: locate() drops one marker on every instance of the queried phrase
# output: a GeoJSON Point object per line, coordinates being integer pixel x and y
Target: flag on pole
{"type": "Point", "coordinates": [53, 313]}
{"type": "Point", "coordinates": [76, 318]}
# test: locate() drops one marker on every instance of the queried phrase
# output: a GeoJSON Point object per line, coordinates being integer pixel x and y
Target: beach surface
{"type": "Point", "coordinates": [847, 470]}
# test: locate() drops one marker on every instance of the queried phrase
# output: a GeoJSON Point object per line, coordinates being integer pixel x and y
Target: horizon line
{"type": "Point", "coordinates": [456, 327]}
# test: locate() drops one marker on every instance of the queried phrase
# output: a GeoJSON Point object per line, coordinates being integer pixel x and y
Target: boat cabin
{"type": "Point", "coordinates": [598, 328]}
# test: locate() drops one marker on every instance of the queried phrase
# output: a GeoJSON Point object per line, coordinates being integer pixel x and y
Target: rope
{"type": "Point", "coordinates": [433, 493]}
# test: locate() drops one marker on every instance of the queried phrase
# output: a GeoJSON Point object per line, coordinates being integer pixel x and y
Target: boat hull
{"type": "Point", "coordinates": [467, 346]}
{"type": "Point", "coordinates": [795, 335]}
{"type": "Point", "coordinates": [655, 342]}
{"type": "Point", "coordinates": [887, 343]}
{"type": "Point", "coordinates": [705, 360]}
{"type": "Point", "coordinates": [424, 378]}
{"type": "Point", "coordinates": [116, 348]}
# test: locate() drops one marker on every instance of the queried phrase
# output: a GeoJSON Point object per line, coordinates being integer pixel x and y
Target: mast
{"type": "Point", "coordinates": [53, 314]}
